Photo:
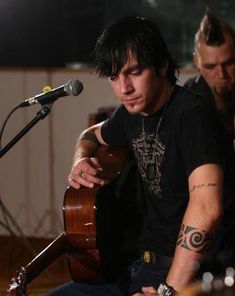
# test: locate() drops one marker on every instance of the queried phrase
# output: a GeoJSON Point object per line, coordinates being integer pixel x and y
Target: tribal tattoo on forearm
{"type": "Point", "coordinates": [194, 239]}
{"type": "Point", "coordinates": [88, 135]}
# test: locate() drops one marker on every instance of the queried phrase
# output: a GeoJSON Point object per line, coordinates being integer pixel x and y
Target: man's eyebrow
{"type": "Point", "coordinates": [208, 64]}
{"type": "Point", "coordinates": [131, 68]}
{"type": "Point", "coordinates": [230, 60]}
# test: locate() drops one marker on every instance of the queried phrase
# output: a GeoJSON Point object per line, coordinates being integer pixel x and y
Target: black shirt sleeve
{"type": "Point", "coordinates": [113, 129]}
{"type": "Point", "coordinates": [200, 138]}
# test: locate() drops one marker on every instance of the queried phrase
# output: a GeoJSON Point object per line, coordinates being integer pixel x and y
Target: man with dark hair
{"type": "Point", "coordinates": [214, 57]}
{"type": "Point", "coordinates": [177, 144]}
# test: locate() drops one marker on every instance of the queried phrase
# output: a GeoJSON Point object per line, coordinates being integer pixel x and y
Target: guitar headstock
{"type": "Point", "coordinates": [18, 284]}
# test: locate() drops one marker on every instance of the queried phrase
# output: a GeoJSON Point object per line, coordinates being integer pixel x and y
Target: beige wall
{"type": "Point", "coordinates": [33, 174]}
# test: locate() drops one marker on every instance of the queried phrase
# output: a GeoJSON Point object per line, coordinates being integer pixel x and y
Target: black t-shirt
{"type": "Point", "coordinates": [227, 117]}
{"type": "Point", "coordinates": [166, 153]}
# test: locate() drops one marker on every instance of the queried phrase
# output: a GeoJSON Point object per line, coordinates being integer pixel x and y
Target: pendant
{"type": "Point", "coordinates": [151, 169]}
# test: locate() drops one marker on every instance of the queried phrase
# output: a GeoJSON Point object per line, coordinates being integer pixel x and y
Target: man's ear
{"type": "Point", "coordinates": [195, 59]}
{"type": "Point", "coordinates": [164, 69]}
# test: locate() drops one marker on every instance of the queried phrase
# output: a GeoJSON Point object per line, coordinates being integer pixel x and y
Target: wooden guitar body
{"type": "Point", "coordinates": [91, 223]}
{"type": "Point", "coordinates": [85, 238]}
{"type": "Point", "coordinates": [80, 228]}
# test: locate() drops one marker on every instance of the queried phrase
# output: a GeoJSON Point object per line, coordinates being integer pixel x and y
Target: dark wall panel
{"type": "Point", "coordinates": [47, 33]}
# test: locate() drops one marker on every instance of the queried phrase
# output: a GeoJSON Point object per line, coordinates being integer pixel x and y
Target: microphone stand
{"type": "Point", "coordinates": [44, 111]}
{"type": "Point", "coordinates": [41, 114]}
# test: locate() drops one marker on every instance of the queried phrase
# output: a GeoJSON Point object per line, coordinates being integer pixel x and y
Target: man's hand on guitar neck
{"type": "Point", "coordinates": [85, 172]}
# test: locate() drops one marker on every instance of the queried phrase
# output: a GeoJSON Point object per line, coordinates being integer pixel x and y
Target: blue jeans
{"type": "Point", "coordinates": [139, 274]}
{"type": "Point", "coordinates": [84, 289]}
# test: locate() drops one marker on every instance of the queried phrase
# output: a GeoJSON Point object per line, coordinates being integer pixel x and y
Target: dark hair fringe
{"type": "Point", "coordinates": [136, 34]}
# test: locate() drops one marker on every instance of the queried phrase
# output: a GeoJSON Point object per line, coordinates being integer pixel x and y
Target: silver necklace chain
{"type": "Point", "coordinates": [159, 122]}
{"type": "Point", "coordinates": [151, 165]}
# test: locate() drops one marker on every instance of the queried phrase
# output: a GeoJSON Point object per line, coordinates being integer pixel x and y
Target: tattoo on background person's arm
{"type": "Point", "coordinates": [194, 239]}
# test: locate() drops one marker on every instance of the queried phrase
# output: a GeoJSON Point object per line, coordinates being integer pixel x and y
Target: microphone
{"type": "Point", "coordinates": [71, 88]}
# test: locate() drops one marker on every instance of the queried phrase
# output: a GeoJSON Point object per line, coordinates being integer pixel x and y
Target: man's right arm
{"type": "Point", "coordinates": [86, 167]}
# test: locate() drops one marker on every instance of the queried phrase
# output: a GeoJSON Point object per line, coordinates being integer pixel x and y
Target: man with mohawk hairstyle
{"type": "Point", "coordinates": [214, 57]}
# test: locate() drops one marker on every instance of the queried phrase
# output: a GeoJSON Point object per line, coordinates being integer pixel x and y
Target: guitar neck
{"type": "Point", "coordinates": [26, 274]}
{"type": "Point", "coordinates": [55, 249]}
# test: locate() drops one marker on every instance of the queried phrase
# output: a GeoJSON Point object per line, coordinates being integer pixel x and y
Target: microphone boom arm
{"type": "Point", "coordinates": [41, 114]}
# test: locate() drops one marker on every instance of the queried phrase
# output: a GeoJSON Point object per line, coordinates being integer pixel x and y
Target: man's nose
{"type": "Point", "coordinates": [126, 86]}
{"type": "Point", "coordinates": [222, 71]}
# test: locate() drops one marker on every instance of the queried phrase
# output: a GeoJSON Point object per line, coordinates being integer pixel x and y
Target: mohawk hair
{"type": "Point", "coordinates": [213, 31]}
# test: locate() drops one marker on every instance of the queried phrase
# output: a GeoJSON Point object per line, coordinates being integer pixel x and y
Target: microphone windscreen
{"type": "Point", "coordinates": [73, 87]}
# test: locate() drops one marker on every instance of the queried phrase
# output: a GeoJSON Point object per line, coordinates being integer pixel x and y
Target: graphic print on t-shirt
{"type": "Point", "coordinates": [149, 152]}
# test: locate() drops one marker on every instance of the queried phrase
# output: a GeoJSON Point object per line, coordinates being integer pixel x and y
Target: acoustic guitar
{"type": "Point", "coordinates": [91, 236]}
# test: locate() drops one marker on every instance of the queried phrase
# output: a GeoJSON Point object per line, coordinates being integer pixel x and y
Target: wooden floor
{"type": "Point", "coordinates": [16, 252]}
